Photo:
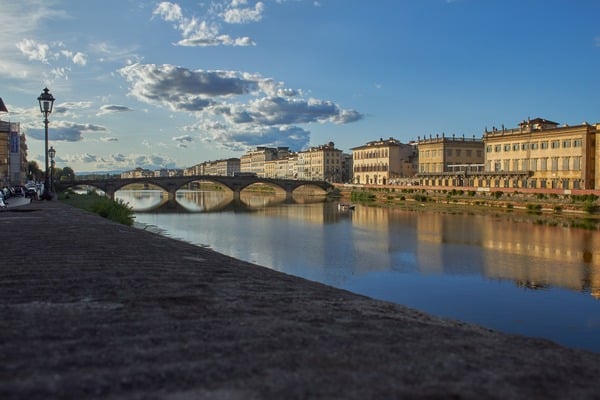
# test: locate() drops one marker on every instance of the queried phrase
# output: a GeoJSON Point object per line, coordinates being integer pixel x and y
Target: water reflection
{"type": "Point", "coordinates": [517, 277]}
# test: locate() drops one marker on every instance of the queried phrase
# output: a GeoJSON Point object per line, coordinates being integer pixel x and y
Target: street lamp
{"type": "Point", "coordinates": [51, 154]}
{"type": "Point", "coordinates": [46, 101]}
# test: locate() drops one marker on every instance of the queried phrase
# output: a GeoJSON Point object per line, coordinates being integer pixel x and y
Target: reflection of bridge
{"type": "Point", "coordinates": [171, 184]}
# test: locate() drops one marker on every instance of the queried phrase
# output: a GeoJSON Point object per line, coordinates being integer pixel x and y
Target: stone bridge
{"type": "Point", "coordinates": [174, 183]}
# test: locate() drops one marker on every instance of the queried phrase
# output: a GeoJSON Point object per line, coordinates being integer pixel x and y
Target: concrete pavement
{"type": "Point", "coordinates": [92, 309]}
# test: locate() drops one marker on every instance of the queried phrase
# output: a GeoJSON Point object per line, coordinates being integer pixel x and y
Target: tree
{"type": "Point", "coordinates": [33, 171]}
{"type": "Point", "coordinates": [67, 174]}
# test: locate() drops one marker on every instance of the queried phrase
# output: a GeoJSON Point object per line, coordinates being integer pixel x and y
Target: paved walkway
{"type": "Point", "coordinates": [92, 309]}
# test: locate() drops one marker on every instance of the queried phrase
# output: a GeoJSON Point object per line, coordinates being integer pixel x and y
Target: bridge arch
{"type": "Point", "coordinates": [172, 184]}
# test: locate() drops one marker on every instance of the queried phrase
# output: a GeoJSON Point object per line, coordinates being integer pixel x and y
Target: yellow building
{"type": "Point", "coordinates": [320, 163]}
{"type": "Point", "coordinates": [448, 161]}
{"type": "Point", "coordinates": [540, 154]}
{"type": "Point", "coordinates": [254, 160]}
{"type": "Point", "coordinates": [383, 162]}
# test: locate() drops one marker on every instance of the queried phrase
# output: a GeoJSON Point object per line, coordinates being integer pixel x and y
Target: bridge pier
{"type": "Point", "coordinates": [289, 195]}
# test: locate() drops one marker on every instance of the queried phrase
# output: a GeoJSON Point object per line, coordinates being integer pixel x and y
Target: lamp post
{"type": "Point", "coordinates": [51, 154]}
{"type": "Point", "coordinates": [46, 101]}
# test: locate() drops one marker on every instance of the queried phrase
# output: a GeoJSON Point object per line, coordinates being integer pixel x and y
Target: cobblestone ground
{"type": "Point", "coordinates": [93, 309]}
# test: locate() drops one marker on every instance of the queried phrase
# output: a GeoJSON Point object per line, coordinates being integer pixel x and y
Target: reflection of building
{"type": "Point", "coordinates": [575, 258]}
{"type": "Point", "coordinates": [540, 154]}
{"type": "Point", "coordinates": [383, 162]}
{"type": "Point", "coordinates": [320, 163]}
{"type": "Point", "coordinates": [13, 154]}
{"type": "Point", "coordinates": [449, 160]}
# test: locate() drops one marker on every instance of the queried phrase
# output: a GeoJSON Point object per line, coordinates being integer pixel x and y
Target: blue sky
{"type": "Point", "coordinates": [170, 84]}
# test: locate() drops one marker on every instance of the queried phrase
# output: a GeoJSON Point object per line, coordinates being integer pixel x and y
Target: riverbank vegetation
{"type": "Point", "coordinates": [579, 211]}
{"type": "Point", "coordinates": [114, 210]}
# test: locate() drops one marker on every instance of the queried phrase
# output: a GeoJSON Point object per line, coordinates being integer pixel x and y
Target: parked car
{"type": "Point", "coordinates": [18, 191]}
{"type": "Point", "coordinates": [2, 203]}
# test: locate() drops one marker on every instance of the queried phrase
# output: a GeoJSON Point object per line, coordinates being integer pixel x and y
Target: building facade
{"type": "Point", "coordinates": [445, 161]}
{"type": "Point", "coordinates": [383, 162]}
{"type": "Point", "coordinates": [320, 163]}
{"type": "Point", "coordinates": [540, 154]}
{"type": "Point", "coordinates": [254, 161]}
{"type": "Point", "coordinates": [13, 154]}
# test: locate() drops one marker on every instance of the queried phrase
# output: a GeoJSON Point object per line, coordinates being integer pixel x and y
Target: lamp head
{"type": "Point", "coordinates": [46, 101]}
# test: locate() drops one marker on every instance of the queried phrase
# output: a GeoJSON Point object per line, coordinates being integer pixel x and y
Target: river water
{"type": "Point", "coordinates": [516, 277]}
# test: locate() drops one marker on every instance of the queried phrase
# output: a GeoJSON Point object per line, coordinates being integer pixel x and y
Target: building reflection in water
{"type": "Point", "coordinates": [379, 239]}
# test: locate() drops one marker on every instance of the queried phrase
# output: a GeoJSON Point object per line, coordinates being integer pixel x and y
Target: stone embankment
{"type": "Point", "coordinates": [93, 309]}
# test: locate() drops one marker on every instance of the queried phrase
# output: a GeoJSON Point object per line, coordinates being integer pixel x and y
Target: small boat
{"type": "Point", "coordinates": [345, 207]}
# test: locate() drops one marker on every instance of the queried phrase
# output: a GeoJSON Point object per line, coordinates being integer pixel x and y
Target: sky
{"type": "Point", "coordinates": [172, 84]}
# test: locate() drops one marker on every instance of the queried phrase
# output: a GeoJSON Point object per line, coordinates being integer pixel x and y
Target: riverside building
{"type": "Point", "coordinates": [320, 163]}
{"type": "Point", "coordinates": [254, 160]}
{"type": "Point", "coordinates": [384, 162]}
{"type": "Point", "coordinates": [540, 154]}
{"type": "Point", "coordinates": [13, 154]}
{"type": "Point", "coordinates": [449, 161]}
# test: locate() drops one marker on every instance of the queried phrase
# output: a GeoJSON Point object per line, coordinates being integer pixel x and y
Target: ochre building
{"type": "Point", "coordinates": [540, 154]}
{"type": "Point", "coordinates": [383, 162]}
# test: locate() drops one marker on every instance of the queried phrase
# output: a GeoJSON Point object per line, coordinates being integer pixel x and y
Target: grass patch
{"type": "Point", "coordinates": [117, 211]}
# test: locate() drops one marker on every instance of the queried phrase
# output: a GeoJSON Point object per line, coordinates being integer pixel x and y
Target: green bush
{"type": "Point", "coordinates": [117, 211]}
{"type": "Point", "coordinates": [589, 207]}
{"type": "Point", "coordinates": [421, 197]}
{"type": "Point", "coordinates": [362, 196]}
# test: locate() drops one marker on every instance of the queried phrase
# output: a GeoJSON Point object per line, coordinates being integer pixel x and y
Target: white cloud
{"type": "Point", "coordinates": [205, 31]}
{"type": "Point", "coordinates": [230, 102]}
{"type": "Point", "coordinates": [236, 15]}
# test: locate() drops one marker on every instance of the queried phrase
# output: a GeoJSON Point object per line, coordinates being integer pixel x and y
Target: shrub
{"type": "Point", "coordinates": [117, 211]}
{"type": "Point", "coordinates": [589, 207]}
{"type": "Point", "coordinates": [421, 197]}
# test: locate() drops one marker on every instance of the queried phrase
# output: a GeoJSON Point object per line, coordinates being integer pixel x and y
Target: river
{"type": "Point", "coordinates": [516, 277]}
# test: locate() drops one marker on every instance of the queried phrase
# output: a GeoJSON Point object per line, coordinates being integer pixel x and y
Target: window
{"type": "Point", "coordinates": [469, 153]}
{"type": "Point", "coordinates": [507, 147]}
{"type": "Point", "coordinates": [565, 163]}
{"type": "Point", "coordinates": [534, 146]}
{"type": "Point", "coordinates": [515, 165]}
{"type": "Point", "coordinates": [544, 145]}
{"type": "Point", "coordinates": [554, 163]}
{"type": "Point", "coordinates": [576, 163]}
{"type": "Point", "coordinates": [544, 164]}
{"type": "Point", "coordinates": [478, 153]}
{"type": "Point", "coordinates": [507, 165]}
{"type": "Point", "coordinates": [555, 144]}
{"type": "Point", "coordinates": [449, 152]}
{"type": "Point", "coordinates": [497, 148]}
{"type": "Point", "coordinates": [566, 143]}
{"type": "Point", "coordinates": [524, 164]}
{"type": "Point", "coordinates": [533, 164]}
{"type": "Point", "coordinates": [524, 146]}
{"type": "Point", "coordinates": [497, 166]}
{"type": "Point", "coordinates": [458, 151]}
{"type": "Point", "coordinates": [577, 143]}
